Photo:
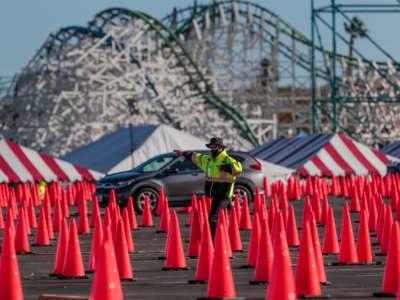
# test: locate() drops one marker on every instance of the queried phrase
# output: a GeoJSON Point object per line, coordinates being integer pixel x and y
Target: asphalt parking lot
{"type": "Point", "coordinates": [347, 282]}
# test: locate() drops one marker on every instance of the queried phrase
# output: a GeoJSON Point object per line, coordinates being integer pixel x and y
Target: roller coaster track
{"type": "Point", "coordinates": [171, 41]}
{"type": "Point", "coordinates": [186, 35]}
{"type": "Point", "coordinates": [99, 34]}
{"type": "Point", "coordinates": [183, 21]}
{"type": "Point", "coordinates": [190, 14]}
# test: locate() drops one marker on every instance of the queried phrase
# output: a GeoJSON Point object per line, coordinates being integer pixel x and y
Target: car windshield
{"type": "Point", "coordinates": [154, 164]}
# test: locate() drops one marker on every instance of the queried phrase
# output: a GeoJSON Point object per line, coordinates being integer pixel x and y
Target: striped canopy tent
{"type": "Point", "coordinates": [392, 149]}
{"type": "Point", "coordinates": [21, 164]}
{"type": "Point", "coordinates": [324, 155]}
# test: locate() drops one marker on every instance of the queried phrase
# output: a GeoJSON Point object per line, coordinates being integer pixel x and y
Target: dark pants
{"type": "Point", "coordinates": [216, 204]}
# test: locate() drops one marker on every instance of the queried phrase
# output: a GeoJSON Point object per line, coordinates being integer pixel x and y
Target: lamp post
{"type": "Point", "coordinates": [133, 110]}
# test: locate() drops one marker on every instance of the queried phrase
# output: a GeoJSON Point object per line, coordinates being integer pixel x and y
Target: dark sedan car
{"type": "Point", "coordinates": [179, 177]}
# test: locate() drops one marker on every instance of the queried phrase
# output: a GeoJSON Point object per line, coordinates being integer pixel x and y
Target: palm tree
{"type": "Point", "coordinates": [355, 29]}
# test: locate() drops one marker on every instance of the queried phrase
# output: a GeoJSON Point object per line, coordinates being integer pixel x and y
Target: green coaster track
{"type": "Point", "coordinates": [179, 23]}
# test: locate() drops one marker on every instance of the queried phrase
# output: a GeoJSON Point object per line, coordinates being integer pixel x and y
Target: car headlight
{"type": "Point", "coordinates": [125, 182]}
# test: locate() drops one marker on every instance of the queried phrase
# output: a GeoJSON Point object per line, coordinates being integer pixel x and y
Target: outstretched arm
{"type": "Point", "coordinates": [195, 157]}
{"type": "Point", "coordinates": [186, 154]}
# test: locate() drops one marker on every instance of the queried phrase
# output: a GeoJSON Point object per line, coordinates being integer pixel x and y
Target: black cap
{"type": "Point", "coordinates": [215, 141]}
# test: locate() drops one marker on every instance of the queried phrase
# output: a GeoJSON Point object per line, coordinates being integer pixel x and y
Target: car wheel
{"type": "Point", "coordinates": [140, 196]}
{"type": "Point", "coordinates": [242, 191]}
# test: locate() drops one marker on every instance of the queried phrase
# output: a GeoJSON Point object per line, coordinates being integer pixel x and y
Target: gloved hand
{"type": "Point", "coordinates": [187, 154]}
{"type": "Point", "coordinates": [178, 152]}
{"type": "Point", "coordinates": [226, 168]}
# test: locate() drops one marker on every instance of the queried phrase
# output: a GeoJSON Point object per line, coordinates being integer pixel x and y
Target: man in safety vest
{"type": "Point", "coordinates": [221, 171]}
{"type": "Point", "coordinates": [42, 189]}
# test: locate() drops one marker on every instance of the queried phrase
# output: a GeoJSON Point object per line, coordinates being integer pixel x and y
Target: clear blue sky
{"type": "Point", "coordinates": [25, 24]}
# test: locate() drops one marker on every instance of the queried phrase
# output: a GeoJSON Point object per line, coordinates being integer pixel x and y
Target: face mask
{"type": "Point", "coordinates": [215, 153]}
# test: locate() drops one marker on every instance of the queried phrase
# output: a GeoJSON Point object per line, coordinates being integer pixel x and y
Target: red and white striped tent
{"type": "Point", "coordinates": [324, 155]}
{"type": "Point", "coordinates": [21, 164]}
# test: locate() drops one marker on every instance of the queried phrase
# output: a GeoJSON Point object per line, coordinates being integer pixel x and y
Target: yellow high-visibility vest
{"type": "Point", "coordinates": [211, 167]}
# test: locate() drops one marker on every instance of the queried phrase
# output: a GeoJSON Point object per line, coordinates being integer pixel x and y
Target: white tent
{"type": "Point", "coordinates": [111, 153]}
{"type": "Point", "coordinates": [275, 172]}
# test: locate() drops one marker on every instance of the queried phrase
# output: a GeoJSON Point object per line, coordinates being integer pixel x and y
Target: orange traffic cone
{"type": "Point", "coordinates": [64, 204]}
{"type": "Point", "coordinates": [364, 248]}
{"type": "Point", "coordinates": [61, 248]}
{"type": "Point", "coordinates": [306, 211]}
{"type": "Point", "coordinates": [113, 199]}
{"type": "Point", "coordinates": [254, 240]}
{"type": "Point", "coordinates": [129, 239]}
{"type": "Point", "coordinates": [73, 263]}
{"type": "Point", "coordinates": [264, 256]}
{"type": "Point", "coordinates": [121, 251]}
{"type": "Point", "coordinates": [245, 220]}
{"type": "Point", "coordinates": [175, 257]}
{"type": "Point", "coordinates": [237, 207]}
{"type": "Point", "coordinates": [160, 203]}
{"type": "Point", "coordinates": [324, 212]}
{"type": "Point", "coordinates": [107, 217]}
{"type": "Point", "coordinates": [292, 234]}
{"type": "Point", "coordinates": [380, 223]}
{"type": "Point", "coordinates": [42, 235]}
{"type": "Point", "coordinates": [222, 220]}
{"type": "Point", "coordinates": [1, 218]}
{"type": "Point", "coordinates": [147, 218]}
{"type": "Point", "coordinates": [392, 267]}
{"type": "Point", "coordinates": [355, 203]}
{"type": "Point", "coordinates": [195, 236]}
{"type": "Point", "coordinates": [57, 216]}
{"type": "Point", "coordinates": [132, 215]}
{"type": "Point", "coordinates": [220, 283]}
{"type": "Point", "coordinates": [26, 218]}
{"type": "Point", "coordinates": [208, 202]}
{"type": "Point", "coordinates": [285, 212]}
{"type": "Point", "coordinates": [316, 205]}
{"type": "Point", "coordinates": [307, 275]}
{"type": "Point", "coordinates": [165, 217]}
{"type": "Point", "coordinates": [21, 235]}
{"type": "Point", "coordinates": [297, 189]}
{"type": "Point", "coordinates": [373, 217]}
{"type": "Point", "coordinates": [386, 231]}
{"type": "Point", "coordinates": [330, 244]}
{"type": "Point", "coordinates": [201, 208]}
{"type": "Point", "coordinates": [233, 232]}
{"type": "Point", "coordinates": [83, 224]}
{"type": "Point", "coordinates": [272, 211]}
{"type": "Point", "coordinates": [49, 223]}
{"type": "Point", "coordinates": [31, 215]}
{"type": "Point", "coordinates": [257, 200]}
{"type": "Point", "coordinates": [95, 212]}
{"type": "Point", "coordinates": [106, 283]}
{"type": "Point", "coordinates": [194, 205]}
{"type": "Point", "coordinates": [97, 239]}
{"type": "Point", "coordinates": [281, 283]}
{"type": "Point", "coordinates": [347, 252]}
{"type": "Point", "coordinates": [46, 202]}
{"type": "Point", "coordinates": [263, 209]}
{"type": "Point", "coordinates": [205, 257]}
{"type": "Point", "coordinates": [267, 191]}
{"type": "Point", "coordinates": [10, 288]}
{"type": "Point", "coordinates": [10, 219]}
{"type": "Point", "coordinates": [317, 250]}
